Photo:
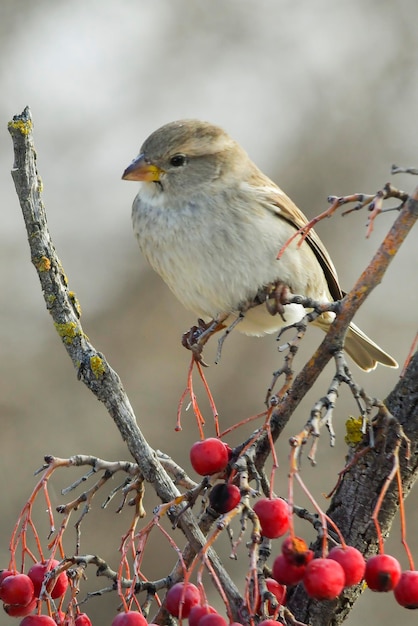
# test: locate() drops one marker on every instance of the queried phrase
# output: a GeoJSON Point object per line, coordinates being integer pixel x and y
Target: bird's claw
{"type": "Point", "coordinates": [192, 340]}
{"type": "Point", "coordinates": [196, 338]}
{"type": "Point", "coordinates": [277, 296]}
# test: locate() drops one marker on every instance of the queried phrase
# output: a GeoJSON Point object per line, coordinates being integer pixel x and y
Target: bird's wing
{"type": "Point", "coordinates": [283, 206]}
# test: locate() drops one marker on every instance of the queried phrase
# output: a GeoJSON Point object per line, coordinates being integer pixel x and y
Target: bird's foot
{"type": "Point", "coordinates": [196, 338]}
{"type": "Point", "coordinates": [277, 296]}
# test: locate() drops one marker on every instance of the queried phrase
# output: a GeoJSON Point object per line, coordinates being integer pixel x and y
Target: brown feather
{"type": "Point", "coordinates": [287, 210]}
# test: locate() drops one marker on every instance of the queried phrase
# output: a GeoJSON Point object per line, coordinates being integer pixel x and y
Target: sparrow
{"type": "Point", "coordinates": [211, 224]}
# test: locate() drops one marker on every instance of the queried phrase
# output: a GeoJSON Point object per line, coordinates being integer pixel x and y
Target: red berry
{"type": "Point", "coordinates": [130, 618]}
{"type": "Point", "coordinates": [273, 515]}
{"type": "Point", "coordinates": [198, 611]}
{"type": "Point", "coordinates": [352, 561]}
{"type": "Point", "coordinates": [286, 573]}
{"type": "Point", "coordinates": [268, 622]}
{"type": "Point", "coordinates": [37, 573]}
{"type": "Point", "coordinates": [382, 572]}
{"type": "Point", "coordinates": [406, 591]}
{"type": "Point", "coordinates": [18, 610]}
{"type": "Point", "coordinates": [82, 620]}
{"type": "Point", "coordinates": [182, 597]}
{"type": "Point", "coordinates": [4, 573]}
{"type": "Point", "coordinates": [59, 617]}
{"type": "Point", "coordinates": [16, 589]}
{"type": "Point", "coordinates": [324, 579]}
{"type": "Point", "coordinates": [224, 497]}
{"type": "Point", "coordinates": [295, 550]}
{"type": "Point", "coordinates": [209, 456]}
{"type": "Point", "coordinates": [37, 620]}
{"type": "Point", "coordinates": [278, 590]}
{"type": "Point", "coordinates": [213, 619]}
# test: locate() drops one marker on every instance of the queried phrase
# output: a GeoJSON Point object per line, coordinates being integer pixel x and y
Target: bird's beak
{"type": "Point", "coordinates": [141, 169]}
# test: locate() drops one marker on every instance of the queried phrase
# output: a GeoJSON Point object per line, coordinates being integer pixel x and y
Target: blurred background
{"type": "Point", "coordinates": [323, 96]}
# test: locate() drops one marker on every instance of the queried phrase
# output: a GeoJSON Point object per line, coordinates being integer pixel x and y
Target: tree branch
{"type": "Point", "coordinates": [91, 366]}
{"type": "Point", "coordinates": [334, 339]}
{"type": "Point", "coordinates": [353, 503]}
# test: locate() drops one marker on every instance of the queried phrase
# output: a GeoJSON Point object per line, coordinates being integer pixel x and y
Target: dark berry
{"type": "Point", "coordinates": [224, 497]}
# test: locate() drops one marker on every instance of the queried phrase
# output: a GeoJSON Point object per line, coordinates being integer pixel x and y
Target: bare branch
{"type": "Point", "coordinates": [334, 339]}
{"type": "Point", "coordinates": [91, 366]}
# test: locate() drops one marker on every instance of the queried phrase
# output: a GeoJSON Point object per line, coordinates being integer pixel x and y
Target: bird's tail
{"type": "Point", "coordinates": [364, 351]}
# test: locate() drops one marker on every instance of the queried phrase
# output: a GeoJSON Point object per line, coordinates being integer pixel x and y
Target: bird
{"type": "Point", "coordinates": [211, 224]}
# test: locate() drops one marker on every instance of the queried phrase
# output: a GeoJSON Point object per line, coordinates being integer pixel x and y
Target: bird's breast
{"type": "Point", "coordinates": [215, 253]}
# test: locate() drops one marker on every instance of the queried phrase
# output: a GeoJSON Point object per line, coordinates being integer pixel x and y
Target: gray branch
{"type": "Point", "coordinates": [91, 366]}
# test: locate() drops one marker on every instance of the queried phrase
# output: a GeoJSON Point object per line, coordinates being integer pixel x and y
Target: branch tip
{"type": "Point", "coordinates": [22, 123]}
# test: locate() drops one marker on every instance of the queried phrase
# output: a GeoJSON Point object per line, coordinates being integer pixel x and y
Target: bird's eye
{"type": "Point", "coordinates": [178, 160]}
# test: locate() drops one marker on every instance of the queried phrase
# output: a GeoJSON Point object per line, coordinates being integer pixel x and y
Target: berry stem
{"type": "Point", "coordinates": [403, 520]}
{"type": "Point", "coordinates": [210, 397]}
{"type": "Point", "coordinates": [388, 480]}
{"type": "Point", "coordinates": [189, 390]}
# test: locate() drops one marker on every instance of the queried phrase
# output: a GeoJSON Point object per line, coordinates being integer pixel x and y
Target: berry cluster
{"type": "Point", "coordinates": [185, 598]}
{"type": "Point", "coordinates": [211, 456]}
{"type": "Point", "coordinates": [324, 577]}
{"type": "Point", "coordinates": [383, 573]}
{"type": "Point", "coordinates": [22, 593]}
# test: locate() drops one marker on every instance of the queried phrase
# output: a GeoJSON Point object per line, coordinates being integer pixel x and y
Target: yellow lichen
{"type": "Point", "coordinates": [25, 127]}
{"type": "Point", "coordinates": [75, 303]}
{"type": "Point", "coordinates": [97, 366]}
{"type": "Point", "coordinates": [43, 264]}
{"type": "Point", "coordinates": [67, 331]}
{"type": "Point", "coordinates": [354, 432]}
{"type": "Point", "coordinates": [63, 275]}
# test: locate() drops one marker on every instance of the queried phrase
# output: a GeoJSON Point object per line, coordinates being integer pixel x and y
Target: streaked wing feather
{"type": "Point", "coordinates": [283, 206]}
